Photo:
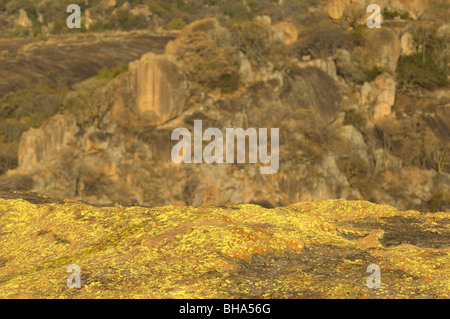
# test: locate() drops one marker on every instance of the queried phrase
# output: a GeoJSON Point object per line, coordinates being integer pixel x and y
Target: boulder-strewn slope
{"type": "Point", "coordinates": [309, 250]}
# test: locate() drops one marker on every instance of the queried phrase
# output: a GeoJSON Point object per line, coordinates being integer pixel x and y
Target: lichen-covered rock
{"type": "Point", "coordinates": [310, 250]}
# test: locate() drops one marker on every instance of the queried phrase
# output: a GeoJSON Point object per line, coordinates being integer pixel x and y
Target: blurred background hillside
{"type": "Point", "coordinates": [364, 113]}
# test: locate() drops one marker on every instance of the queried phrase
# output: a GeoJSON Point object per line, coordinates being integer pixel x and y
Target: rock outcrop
{"type": "Point", "coordinates": [23, 19]}
{"type": "Point", "coordinates": [116, 146]}
{"type": "Point", "coordinates": [38, 146]}
{"type": "Point", "coordinates": [310, 250]}
{"type": "Point", "coordinates": [160, 87]}
{"type": "Point", "coordinates": [382, 49]}
{"type": "Point", "coordinates": [19, 61]}
{"type": "Point", "coordinates": [379, 96]}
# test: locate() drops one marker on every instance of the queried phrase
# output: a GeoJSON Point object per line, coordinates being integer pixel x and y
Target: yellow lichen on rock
{"type": "Point", "coordinates": [308, 250]}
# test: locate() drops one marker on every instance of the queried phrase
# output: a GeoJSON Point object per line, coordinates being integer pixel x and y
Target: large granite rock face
{"type": "Point", "coordinates": [305, 87]}
{"type": "Point", "coordinates": [40, 145]}
{"type": "Point", "coordinates": [379, 96]}
{"type": "Point", "coordinates": [160, 87]}
{"type": "Point", "coordinates": [122, 151]}
{"type": "Point", "coordinates": [308, 250]}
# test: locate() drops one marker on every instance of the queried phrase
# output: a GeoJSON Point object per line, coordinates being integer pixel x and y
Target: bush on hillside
{"type": "Point", "coordinates": [19, 111]}
{"type": "Point", "coordinates": [427, 68]}
{"type": "Point", "coordinates": [176, 24]}
{"type": "Point", "coordinates": [252, 39]}
{"type": "Point", "coordinates": [125, 20]}
{"type": "Point", "coordinates": [321, 41]}
{"type": "Point", "coordinates": [109, 74]}
{"type": "Point", "coordinates": [209, 63]}
{"type": "Point", "coordinates": [390, 14]}
{"type": "Point", "coordinates": [415, 72]}
{"type": "Point", "coordinates": [414, 143]}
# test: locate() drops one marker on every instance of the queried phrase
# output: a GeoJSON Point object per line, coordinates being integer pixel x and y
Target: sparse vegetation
{"type": "Point", "coordinates": [321, 41]}
{"type": "Point", "coordinates": [208, 62]}
{"type": "Point", "coordinates": [355, 118]}
{"type": "Point", "coordinates": [176, 24]}
{"type": "Point", "coordinates": [390, 14]}
{"type": "Point", "coordinates": [125, 20]}
{"type": "Point", "coordinates": [413, 72]}
{"type": "Point", "coordinates": [438, 201]}
{"type": "Point", "coordinates": [85, 103]}
{"type": "Point", "coordinates": [413, 142]}
{"type": "Point", "coordinates": [20, 111]}
{"type": "Point", "coordinates": [373, 73]}
{"type": "Point", "coordinates": [108, 74]}
{"type": "Point", "coordinates": [253, 39]}
{"type": "Point", "coordinates": [428, 68]}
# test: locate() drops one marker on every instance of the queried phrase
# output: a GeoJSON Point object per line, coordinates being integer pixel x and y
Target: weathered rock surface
{"type": "Point", "coordinates": [382, 49]}
{"type": "Point", "coordinates": [160, 88]}
{"type": "Point", "coordinates": [23, 19]}
{"type": "Point", "coordinates": [37, 146]}
{"type": "Point", "coordinates": [38, 60]}
{"type": "Point", "coordinates": [311, 250]}
{"type": "Point", "coordinates": [379, 96]}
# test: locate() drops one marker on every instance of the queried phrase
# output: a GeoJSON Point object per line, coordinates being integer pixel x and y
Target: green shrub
{"type": "Point", "coordinates": [86, 102]}
{"type": "Point", "coordinates": [37, 31]}
{"type": "Point", "coordinates": [31, 106]}
{"type": "Point", "coordinates": [321, 41]}
{"type": "Point", "coordinates": [19, 111]}
{"type": "Point", "coordinates": [109, 74]}
{"type": "Point", "coordinates": [416, 71]}
{"type": "Point", "coordinates": [8, 156]}
{"type": "Point", "coordinates": [252, 39]}
{"type": "Point", "coordinates": [439, 201]}
{"type": "Point", "coordinates": [228, 83]}
{"type": "Point", "coordinates": [355, 118]}
{"type": "Point", "coordinates": [413, 141]}
{"type": "Point", "coordinates": [355, 169]}
{"type": "Point", "coordinates": [373, 73]}
{"type": "Point", "coordinates": [208, 62]}
{"type": "Point", "coordinates": [99, 26]}
{"type": "Point", "coordinates": [175, 24]}
{"type": "Point", "coordinates": [60, 26]}
{"type": "Point", "coordinates": [390, 14]}
{"type": "Point", "coordinates": [19, 31]}
{"type": "Point", "coordinates": [236, 10]}
{"type": "Point", "coordinates": [357, 35]}
{"type": "Point", "coordinates": [125, 20]}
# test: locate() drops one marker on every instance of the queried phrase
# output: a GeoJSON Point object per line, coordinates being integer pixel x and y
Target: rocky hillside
{"type": "Point", "coordinates": [363, 113]}
{"type": "Point", "coordinates": [62, 61]}
{"type": "Point", "coordinates": [308, 250]}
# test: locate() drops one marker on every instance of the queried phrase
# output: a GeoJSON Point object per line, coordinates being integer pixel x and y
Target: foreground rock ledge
{"type": "Point", "coordinates": [309, 250]}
